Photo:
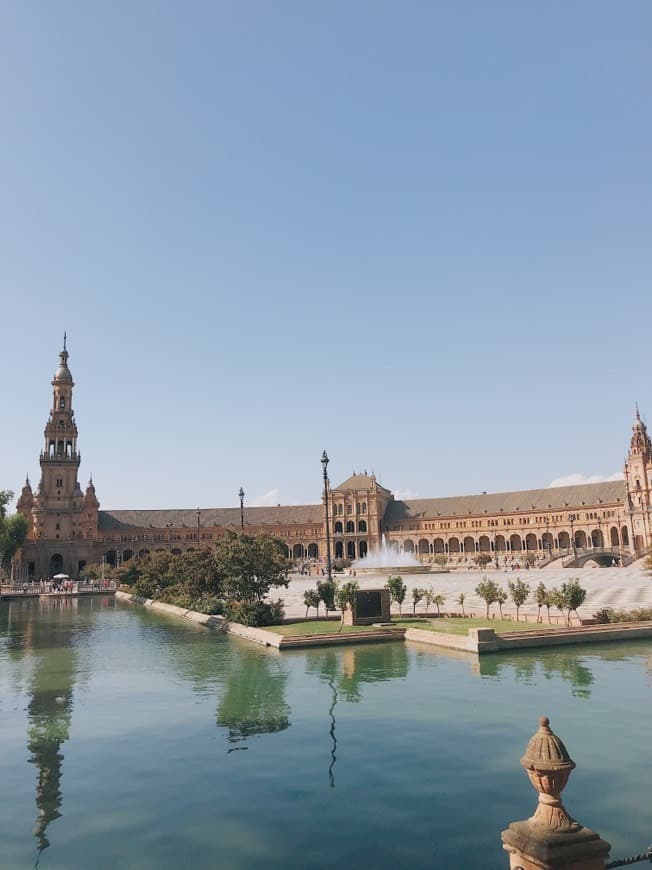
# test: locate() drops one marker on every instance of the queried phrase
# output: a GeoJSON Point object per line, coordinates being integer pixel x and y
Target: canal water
{"type": "Point", "coordinates": [134, 740]}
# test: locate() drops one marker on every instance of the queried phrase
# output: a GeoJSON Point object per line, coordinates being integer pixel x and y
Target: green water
{"type": "Point", "coordinates": [132, 740]}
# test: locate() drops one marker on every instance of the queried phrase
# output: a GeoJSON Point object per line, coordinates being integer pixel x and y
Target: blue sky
{"type": "Point", "coordinates": [414, 234]}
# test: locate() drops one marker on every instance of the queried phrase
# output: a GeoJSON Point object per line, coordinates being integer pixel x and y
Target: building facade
{"type": "Point", "coordinates": [67, 529]}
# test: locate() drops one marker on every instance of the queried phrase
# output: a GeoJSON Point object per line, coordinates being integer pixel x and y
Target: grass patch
{"type": "Point", "coordinates": [315, 626]}
{"type": "Point", "coordinates": [461, 626]}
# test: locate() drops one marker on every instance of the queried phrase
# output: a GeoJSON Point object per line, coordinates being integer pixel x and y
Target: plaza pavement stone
{"type": "Point", "coordinates": [620, 588]}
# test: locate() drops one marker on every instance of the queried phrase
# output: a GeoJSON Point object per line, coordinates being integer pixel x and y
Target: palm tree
{"type": "Point", "coordinates": [460, 601]}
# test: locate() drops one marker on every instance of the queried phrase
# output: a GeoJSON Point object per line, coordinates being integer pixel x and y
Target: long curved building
{"type": "Point", "coordinates": [67, 530]}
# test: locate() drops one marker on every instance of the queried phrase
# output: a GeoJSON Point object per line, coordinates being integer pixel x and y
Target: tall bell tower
{"type": "Point", "coordinates": [58, 499]}
{"type": "Point", "coordinates": [638, 474]}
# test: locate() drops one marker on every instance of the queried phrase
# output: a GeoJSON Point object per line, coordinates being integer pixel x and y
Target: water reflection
{"type": "Point", "coordinates": [46, 633]}
{"type": "Point", "coordinates": [253, 701]}
{"type": "Point", "coordinates": [349, 669]}
{"type": "Point", "coordinates": [344, 670]}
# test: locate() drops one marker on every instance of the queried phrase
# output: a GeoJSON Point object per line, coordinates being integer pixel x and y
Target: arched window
{"type": "Point", "coordinates": [364, 507]}
{"type": "Point", "coordinates": [338, 528]}
{"type": "Point", "coordinates": [350, 526]}
{"type": "Point", "coordinates": [62, 403]}
{"type": "Point", "coordinates": [362, 526]}
{"type": "Point", "coordinates": [349, 508]}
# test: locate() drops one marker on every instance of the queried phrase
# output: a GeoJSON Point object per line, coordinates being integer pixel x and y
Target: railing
{"type": "Point", "coordinates": [634, 859]}
{"type": "Point", "coordinates": [77, 587]}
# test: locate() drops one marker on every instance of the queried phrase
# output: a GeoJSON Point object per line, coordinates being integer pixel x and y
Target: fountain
{"type": "Point", "coordinates": [387, 560]}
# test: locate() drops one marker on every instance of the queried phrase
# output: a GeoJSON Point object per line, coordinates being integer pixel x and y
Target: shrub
{"type": "Point", "coordinates": [254, 613]}
{"type": "Point", "coordinates": [608, 614]}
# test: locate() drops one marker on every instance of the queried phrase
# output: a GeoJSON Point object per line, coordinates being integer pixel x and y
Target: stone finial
{"type": "Point", "coordinates": [551, 839]}
{"type": "Point", "coordinates": [548, 766]}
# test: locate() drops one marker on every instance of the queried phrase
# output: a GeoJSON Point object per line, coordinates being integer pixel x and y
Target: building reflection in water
{"type": "Point", "coordinates": [253, 701]}
{"type": "Point", "coordinates": [50, 708]}
{"type": "Point", "coordinates": [345, 671]}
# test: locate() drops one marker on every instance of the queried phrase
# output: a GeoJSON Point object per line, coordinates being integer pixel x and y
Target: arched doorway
{"type": "Point", "coordinates": [56, 564]}
{"type": "Point", "coordinates": [297, 551]}
{"type": "Point", "coordinates": [110, 557]}
{"type": "Point", "coordinates": [408, 546]}
{"type": "Point", "coordinates": [439, 545]}
{"type": "Point", "coordinates": [580, 539]}
{"type": "Point", "coordinates": [564, 541]}
{"type": "Point", "coordinates": [339, 550]}
{"type": "Point", "coordinates": [313, 551]}
{"type": "Point", "coordinates": [453, 545]}
{"type": "Point", "coordinates": [625, 536]}
{"type": "Point", "coordinates": [531, 542]}
{"type": "Point", "coordinates": [484, 545]}
{"type": "Point", "coordinates": [596, 538]}
{"type": "Point", "coordinates": [613, 534]}
{"type": "Point", "coordinates": [362, 549]}
{"type": "Point", "coordinates": [515, 542]}
{"type": "Point", "coordinates": [350, 549]}
{"type": "Point", "coordinates": [499, 543]}
{"type": "Point", "coordinates": [127, 555]}
{"type": "Point", "coordinates": [548, 543]}
{"type": "Point", "coordinates": [424, 547]}
{"type": "Point", "coordinates": [469, 544]}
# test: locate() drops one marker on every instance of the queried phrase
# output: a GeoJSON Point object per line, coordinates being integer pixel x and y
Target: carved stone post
{"type": "Point", "coordinates": [551, 839]}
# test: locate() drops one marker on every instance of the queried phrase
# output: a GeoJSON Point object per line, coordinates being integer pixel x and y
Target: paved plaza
{"type": "Point", "coordinates": [620, 588]}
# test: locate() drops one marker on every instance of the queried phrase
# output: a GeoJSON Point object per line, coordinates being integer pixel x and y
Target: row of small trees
{"type": "Point", "coordinates": [567, 598]}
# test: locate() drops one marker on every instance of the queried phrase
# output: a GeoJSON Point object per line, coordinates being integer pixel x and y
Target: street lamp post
{"type": "Point", "coordinates": [548, 538]}
{"type": "Point", "coordinates": [571, 520]}
{"type": "Point", "coordinates": [324, 465]}
{"type": "Point", "coordinates": [241, 495]}
{"type": "Point", "coordinates": [197, 515]}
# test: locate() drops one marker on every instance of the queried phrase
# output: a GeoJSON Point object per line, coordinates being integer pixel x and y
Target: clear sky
{"type": "Point", "coordinates": [416, 234]}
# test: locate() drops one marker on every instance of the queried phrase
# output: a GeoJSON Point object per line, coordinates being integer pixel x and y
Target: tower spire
{"type": "Point", "coordinates": [64, 340]}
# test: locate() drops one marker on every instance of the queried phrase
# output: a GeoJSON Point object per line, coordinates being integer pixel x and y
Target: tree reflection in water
{"type": "Point", "coordinates": [564, 664]}
{"type": "Point", "coordinates": [253, 701]}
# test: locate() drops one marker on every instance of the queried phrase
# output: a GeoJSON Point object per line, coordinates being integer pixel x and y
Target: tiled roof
{"type": "Point", "coordinates": [254, 516]}
{"type": "Point", "coordinates": [553, 498]}
{"type": "Point", "coordinates": [358, 481]}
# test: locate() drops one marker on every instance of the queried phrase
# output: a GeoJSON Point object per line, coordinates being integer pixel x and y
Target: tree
{"type": "Point", "coordinates": [13, 531]}
{"type": "Point", "coordinates": [519, 593]}
{"type": "Point", "coordinates": [311, 598]}
{"type": "Point", "coordinates": [440, 559]}
{"type": "Point", "coordinates": [541, 595]}
{"type": "Point", "coordinates": [429, 597]}
{"type": "Point", "coordinates": [460, 600]}
{"type": "Point", "coordinates": [556, 600]}
{"type": "Point", "coordinates": [250, 565]}
{"type": "Point", "coordinates": [397, 589]}
{"type": "Point", "coordinates": [501, 598]}
{"type": "Point", "coordinates": [571, 596]}
{"type": "Point", "coordinates": [6, 496]}
{"type": "Point", "coordinates": [12, 536]}
{"type": "Point", "coordinates": [438, 601]}
{"type": "Point", "coordinates": [549, 602]}
{"type": "Point", "coordinates": [529, 557]}
{"type": "Point", "coordinates": [345, 597]}
{"type": "Point", "coordinates": [417, 595]}
{"type": "Point", "coordinates": [488, 591]}
{"type": "Point", "coordinates": [482, 559]}
{"type": "Point", "coordinates": [326, 590]}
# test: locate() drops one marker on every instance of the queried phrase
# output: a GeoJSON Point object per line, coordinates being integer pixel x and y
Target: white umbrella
{"type": "Point", "coordinates": [61, 577]}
